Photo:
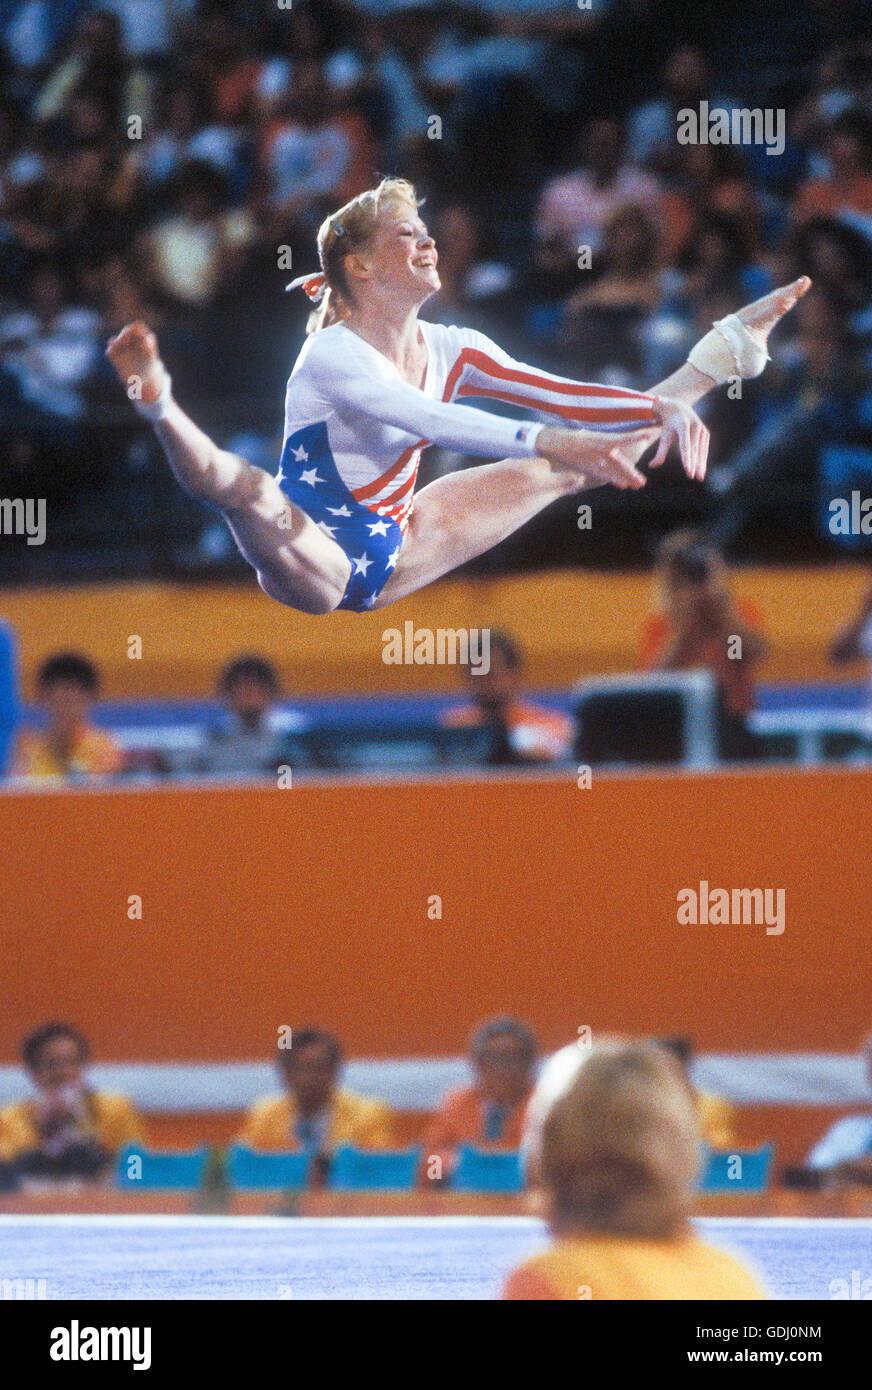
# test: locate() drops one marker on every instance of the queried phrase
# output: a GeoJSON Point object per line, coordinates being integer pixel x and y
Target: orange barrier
{"type": "Point", "coordinates": [572, 623]}
{"type": "Point", "coordinates": [264, 907]}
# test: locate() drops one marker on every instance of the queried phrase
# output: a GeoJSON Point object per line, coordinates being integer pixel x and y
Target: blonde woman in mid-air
{"type": "Point", "coordinates": [340, 524]}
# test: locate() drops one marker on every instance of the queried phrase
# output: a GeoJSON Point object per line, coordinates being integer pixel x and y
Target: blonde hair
{"type": "Point", "coordinates": [619, 1147]}
{"type": "Point", "coordinates": [348, 230]}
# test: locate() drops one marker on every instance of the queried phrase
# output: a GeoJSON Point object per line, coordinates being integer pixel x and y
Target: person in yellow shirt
{"type": "Point", "coordinates": [67, 1129]}
{"type": "Point", "coordinates": [717, 1117]}
{"type": "Point", "coordinates": [616, 1151]}
{"type": "Point", "coordinates": [71, 747]}
{"type": "Point", "coordinates": [314, 1113]}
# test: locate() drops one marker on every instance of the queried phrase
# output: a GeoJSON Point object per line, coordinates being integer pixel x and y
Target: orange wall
{"type": "Point", "coordinates": [571, 623]}
{"type": "Point", "coordinates": [264, 907]}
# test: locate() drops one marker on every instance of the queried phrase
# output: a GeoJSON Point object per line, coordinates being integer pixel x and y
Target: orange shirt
{"type": "Point", "coordinates": [461, 1119]}
{"type": "Point", "coordinates": [733, 675]}
{"type": "Point", "coordinates": [537, 733]}
{"type": "Point", "coordinates": [94, 752]}
{"type": "Point", "coordinates": [628, 1267]}
{"type": "Point", "coordinates": [356, 1120]}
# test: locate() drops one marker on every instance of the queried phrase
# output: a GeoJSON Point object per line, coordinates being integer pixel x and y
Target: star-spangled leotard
{"type": "Point", "coordinates": [354, 431]}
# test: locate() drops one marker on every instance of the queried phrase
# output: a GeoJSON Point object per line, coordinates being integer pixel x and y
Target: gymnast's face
{"type": "Point", "coordinates": [401, 256]}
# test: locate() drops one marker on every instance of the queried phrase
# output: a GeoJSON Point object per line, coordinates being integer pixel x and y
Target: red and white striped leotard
{"type": "Point", "coordinates": [377, 423]}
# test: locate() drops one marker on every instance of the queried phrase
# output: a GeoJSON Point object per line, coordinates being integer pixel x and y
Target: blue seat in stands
{"type": "Point", "coordinates": [737, 1170]}
{"type": "Point", "coordinates": [248, 1169]}
{"type": "Point", "coordinates": [478, 1171]}
{"type": "Point", "coordinates": [139, 1168]}
{"type": "Point", "coordinates": [357, 1170]}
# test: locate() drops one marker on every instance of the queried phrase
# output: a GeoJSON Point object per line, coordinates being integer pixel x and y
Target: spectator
{"type": "Point", "coordinates": [652, 126]}
{"type": "Point", "coordinates": [306, 154]}
{"type": "Point", "coordinates": [68, 1129]}
{"type": "Point", "coordinates": [717, 1117]}
{"type": "Point", "coordinates": [488, 1114]}
{"type": "Point", "coordinates": [246, 742]}
{"type": "Point", "coordinates": [617, 1153]}
{"type": "Point", "coordinates": [814, 401]}
{"type": "Point", "coordinates": [605, 320]}
{"type": "Point", "coordinates": [470, 285]}
{"type": "Point", "coordinates": [712, 180]}
{"type": "Point", "coordinates": [523, 732]}
{"type": "Point", "coordinates": [575, 209]}
{"type": "Point", "coordinates": [71, 747]}
{"type": "Point", "coordinates": [839, 260]}
{"type": "Point", "coordinates": [315, 1115]}
{"type": "Point", "coordinates": [719, 260]}
{"type": "Point", "coordinates": [847, 187]}
{"type": "Point", "coordinates": [51, 347]}
{"type": "Point", "coordinates": [96, 63]}
{"type": "Point", "coordinates": [845, 1152]}
{"type": "Point", "coordinates": [698, 625]}
{"type": "Point", "coordinates": [194, 252]}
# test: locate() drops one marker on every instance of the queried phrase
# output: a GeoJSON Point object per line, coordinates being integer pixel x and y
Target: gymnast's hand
{"type": "Point", "coordinates": [590, 453]}
{"type": "Point", "coordinates": [589, 457]}
{"type": "Point", "coordinates": [680, 424]}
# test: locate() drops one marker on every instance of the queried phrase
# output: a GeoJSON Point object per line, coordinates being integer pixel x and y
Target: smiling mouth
{"type": "Point", "coordinates": [426, 263]}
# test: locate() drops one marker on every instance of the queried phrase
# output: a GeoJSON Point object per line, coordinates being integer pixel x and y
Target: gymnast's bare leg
{"type": "Point", "coordinates": [454, 519]}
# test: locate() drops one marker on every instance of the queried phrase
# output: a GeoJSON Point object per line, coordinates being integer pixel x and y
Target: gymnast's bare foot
{"type": "Point", "coordinates": [761, 317]}
{"type": "Point", "coordinates": [134, 354]}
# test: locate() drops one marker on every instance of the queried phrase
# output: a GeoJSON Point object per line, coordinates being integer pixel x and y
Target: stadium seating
{"type": "Point", "coordinates": [160, 1169]}
{"type": "Point", "coordinates": [477, 1171]}
{"type": "Point", "coordinates": [738, 1172]}
{"type": "Point", "coordinates": [354, 1170]}
{"type": "Point", "coordinates": [249, 1170]}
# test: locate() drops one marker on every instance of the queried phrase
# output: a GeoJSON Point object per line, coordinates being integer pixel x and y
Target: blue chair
{"type": "Point", "coordinates": [738, 1171]}
{"type": "Point", "coordinates": [478, 1171]}
{"type": "Point", "coordinates": [159, 1169]}
{"type": "Point", "coordinates": [356, 1170]}
{"type": "Point", "coordinates": [248, 1169]}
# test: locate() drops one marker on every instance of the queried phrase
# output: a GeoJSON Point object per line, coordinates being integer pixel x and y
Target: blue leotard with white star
{"type": "Point", "coordinates": [354, 431]}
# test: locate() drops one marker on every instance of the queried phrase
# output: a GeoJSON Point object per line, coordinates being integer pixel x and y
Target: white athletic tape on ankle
{"type": "Point", "coordinates": [728, 351]}
{"type": "Point", "coordinates": [156, 410]}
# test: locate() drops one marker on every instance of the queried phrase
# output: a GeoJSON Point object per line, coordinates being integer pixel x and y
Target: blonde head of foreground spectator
{"type": "Point", "coordinates": [619, 1149]}
{"type": "Point", "coordinates": [614, 1146]}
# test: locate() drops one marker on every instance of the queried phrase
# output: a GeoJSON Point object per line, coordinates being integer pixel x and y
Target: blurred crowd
{"type": "Point", "coordinates": [249, 731]}
{"type": "Point", "coordinates": [170, 160]}
{"type": "Point", "coordinates": [69, 1128]}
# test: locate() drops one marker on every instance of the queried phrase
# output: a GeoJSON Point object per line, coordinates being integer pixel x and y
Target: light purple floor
{"type": "Point", "coordinates": [109, 1257]}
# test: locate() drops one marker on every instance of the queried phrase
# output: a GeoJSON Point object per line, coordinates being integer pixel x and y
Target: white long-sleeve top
{"type": "Point", "coordinates": [377, 423]}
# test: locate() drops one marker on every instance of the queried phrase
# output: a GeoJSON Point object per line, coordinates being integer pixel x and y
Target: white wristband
{"type": "Point", "coordinates": [728, 351]}
{"type": "Point", "coordinates": [156, 410]}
